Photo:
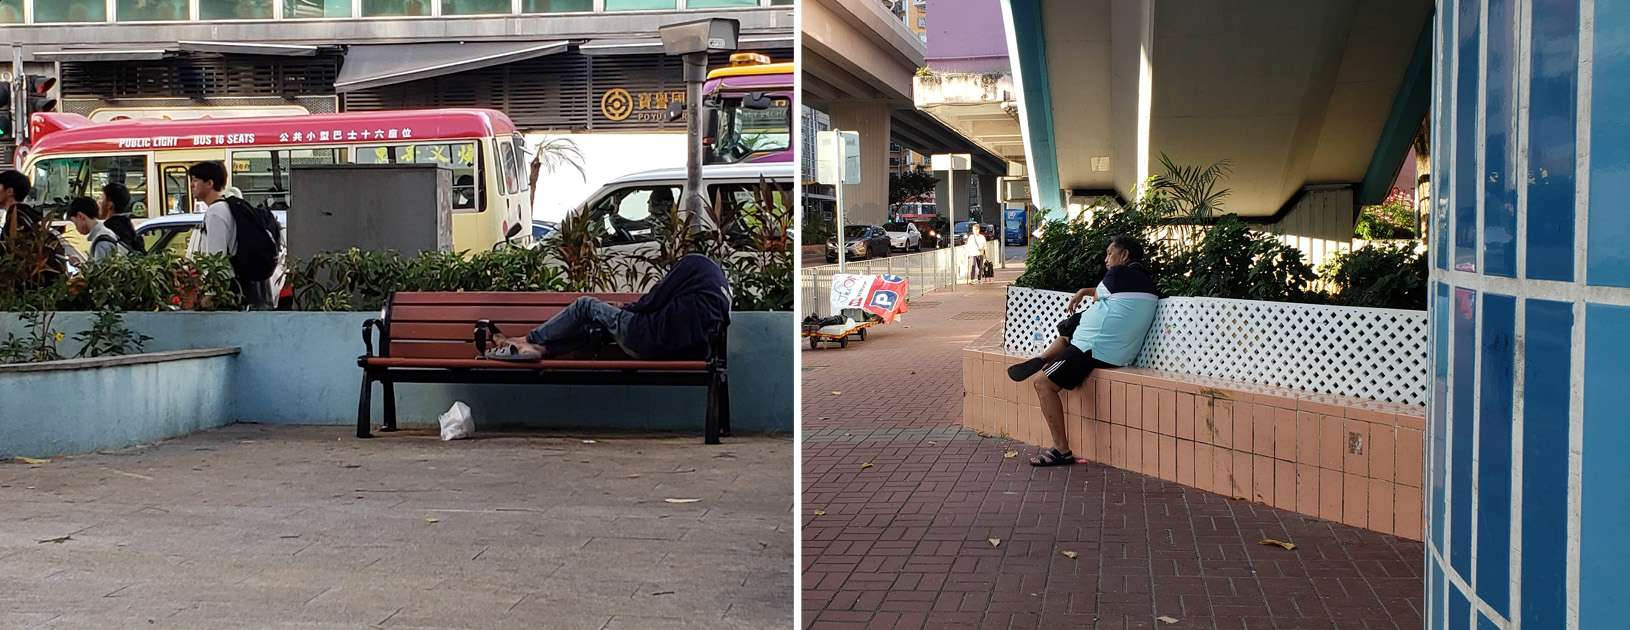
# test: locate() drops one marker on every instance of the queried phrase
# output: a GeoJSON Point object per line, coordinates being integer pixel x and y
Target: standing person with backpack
{"type": "Point", "coordinates": [115, 208]}
{"type": "Point", "coordinates": [83, 212]}
{"type": "Point", "coordinates": [247, 235]}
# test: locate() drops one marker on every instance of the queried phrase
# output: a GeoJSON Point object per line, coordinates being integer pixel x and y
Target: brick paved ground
{"type": "Point", "coordinates": [905, 541]}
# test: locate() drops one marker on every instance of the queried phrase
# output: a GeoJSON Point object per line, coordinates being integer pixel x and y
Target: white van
{"type": "Point", "coordinates": [626, 203]}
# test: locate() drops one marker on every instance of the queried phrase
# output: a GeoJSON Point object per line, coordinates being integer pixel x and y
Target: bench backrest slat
{"type": "Point", "coordinates": [440, 325]}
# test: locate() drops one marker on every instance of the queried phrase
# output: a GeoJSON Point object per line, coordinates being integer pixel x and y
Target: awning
{"type": "Point", "coordinates": [101, 54]}
{"type": "Point", "coordinates": [245, 48]}
{"type": "Point", "coordinates": [745, 43]}
{"type": "Point", "coordinates": [388, 64]}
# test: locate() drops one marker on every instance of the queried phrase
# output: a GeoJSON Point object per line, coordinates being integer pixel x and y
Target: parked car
{"type": "Point", "coordinates": [542, 229]}
{"type": "Point", "coordinates": [904, 236]}
{"type": "Point", "coordinates": [960, 231]}
{"type": "Point", "coordinates": [180, 234]}
{"type": "Point", "coordinates": [861, 242]}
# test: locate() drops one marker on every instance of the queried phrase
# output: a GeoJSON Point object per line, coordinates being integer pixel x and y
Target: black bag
{"type": "Point", "coordinates": [259, 241]}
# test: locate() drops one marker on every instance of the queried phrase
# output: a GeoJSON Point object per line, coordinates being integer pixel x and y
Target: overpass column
{"type": "Point", "coordinates": [867, 202]}
{"type": "Point", "coordinates": [1530, 318]}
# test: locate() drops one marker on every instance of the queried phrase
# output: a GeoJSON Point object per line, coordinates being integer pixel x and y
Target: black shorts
{"type": "Point", "coordinates": [1074, 369]}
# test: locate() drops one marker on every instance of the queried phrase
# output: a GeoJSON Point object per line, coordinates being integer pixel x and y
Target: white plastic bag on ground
{"type": "Point", "coordinates": [457, 424]}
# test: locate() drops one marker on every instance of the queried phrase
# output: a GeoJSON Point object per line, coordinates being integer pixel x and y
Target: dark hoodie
{"type": "Point", "coordinates": [673, 319]}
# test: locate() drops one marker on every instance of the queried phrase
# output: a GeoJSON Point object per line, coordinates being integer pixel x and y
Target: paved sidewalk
{"type": "Point", "coordinates": [306, 527]}
{"type": "Point", "coordinates": [900, 505]}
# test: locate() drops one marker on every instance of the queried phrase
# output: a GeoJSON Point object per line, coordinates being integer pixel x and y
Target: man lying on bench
{"type": "Point", "coordinates": [671, 321]}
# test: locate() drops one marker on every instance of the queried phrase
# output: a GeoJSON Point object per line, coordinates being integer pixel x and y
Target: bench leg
{"type": "Point", "coordinates": [710, 432]}
{"type": "Point", "coordinates": [390, 406]}
{"type": "Point", "coordinates": [724, 404]}
{"type": "Point", "coordinates": [364, 410]}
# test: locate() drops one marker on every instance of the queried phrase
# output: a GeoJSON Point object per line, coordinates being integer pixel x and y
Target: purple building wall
{"type": "Point", "coordinates": [966, 36]}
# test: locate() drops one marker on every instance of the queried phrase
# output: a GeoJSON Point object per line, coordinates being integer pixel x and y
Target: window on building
{"type": "Point", "coordinates": [720, 4]}
{"type": "Point", "coordinates": [639, 5]}
{"type": "Point", "coordinates": [474, 7]}
{"type": "Point", "coordinates": [263, 176]}
{"type": "Point", "coordinates": [70, 11]}
{"type": "Point", "coordinates": [151, 10]}
{"type": "Point", "coordinates": [316, 8]}
{"type": "Point", "coordinates": [11, 11]}
{"type": "Point", "coordinates": [58, 181]}
{"type": "Point", "coordinates": [234, 9]}
{"type": "Point", "coordinates": [461, 157]}
{"type": "Point", "coordinates": [556, 6]}
{"type": "Point", "coordinates": [781, 2]}
{"type": "Point", "coordinates": [388, 8]}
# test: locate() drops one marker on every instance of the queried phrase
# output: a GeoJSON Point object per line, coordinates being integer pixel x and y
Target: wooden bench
{"type": "Point", "coordinates": [430, 338]}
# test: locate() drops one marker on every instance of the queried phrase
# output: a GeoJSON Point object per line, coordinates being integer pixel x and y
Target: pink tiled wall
{"type": "Point", "coordinates": [1341, 459]}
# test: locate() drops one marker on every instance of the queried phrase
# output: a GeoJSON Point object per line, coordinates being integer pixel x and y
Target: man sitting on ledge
{"type": "Point", "coordinates": [1108, 334]}
{"type": "Point", "coordinates": [672, 321]}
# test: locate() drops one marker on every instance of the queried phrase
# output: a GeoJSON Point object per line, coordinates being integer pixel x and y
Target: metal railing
{"type": "Point", "coordinates": [924, 272]}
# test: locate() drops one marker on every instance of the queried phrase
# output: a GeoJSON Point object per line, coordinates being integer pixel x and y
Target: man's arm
{"type": "Point", "coordinates": [1080, 295]}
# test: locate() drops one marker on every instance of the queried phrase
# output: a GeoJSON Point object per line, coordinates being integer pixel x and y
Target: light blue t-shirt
{"type": "Point", "coordinates": [1114, 327]}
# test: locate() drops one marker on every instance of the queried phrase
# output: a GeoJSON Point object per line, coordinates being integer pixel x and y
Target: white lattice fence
{"type": "Point", "coordinates": [1372, 353]}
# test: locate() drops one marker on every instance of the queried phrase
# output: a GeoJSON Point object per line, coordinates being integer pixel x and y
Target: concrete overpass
{"type": "Point", "coordinates": [1314, 102]}
{"type": "Point", "coordinates": [858, 62]}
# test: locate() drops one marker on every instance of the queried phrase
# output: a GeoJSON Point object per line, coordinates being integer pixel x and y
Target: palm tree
{"type": "Point", "coordinates": [552, 154]}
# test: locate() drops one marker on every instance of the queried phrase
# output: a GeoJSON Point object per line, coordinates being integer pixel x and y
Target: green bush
{"type": "Point", "coordinates": [361, 280]}
{"type": "Point", "coordinates": [1070, 254]}
{"type": "Point", "coordinates": [1230, 260]}
{"type": "Point", "coordinates": [1382, 276]}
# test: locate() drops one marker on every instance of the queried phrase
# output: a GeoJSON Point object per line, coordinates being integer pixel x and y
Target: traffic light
{"type": "Point", "coordinates": [38, 94]}
{"type": "Point", "coordinates": [6, 133]}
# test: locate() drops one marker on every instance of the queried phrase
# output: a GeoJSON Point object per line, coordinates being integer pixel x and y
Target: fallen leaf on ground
{"type": "Point", "coordinates": [1165, 619]}
{"type": "Point", "coordinates": [1280, 543]}
{"type": "Point", "coordinates": [1010, 454]}
{"type": "Point", "coordinates": [290, 536]}
{"type": "Point", "coordinates": [633, 476]}
{"type": "Point", "coordinates": [662, 593]}
{"type": "Point", "coordinates": [1070, 554]}
{"type": "Point", "coordinates": [589, 442]}
{"type": "Point", "coordinates": [352, 466]}
{"type": "Point", "coordinates": [432, 521]}
{"type": "Point", "coordinates": [836, 393]}
{"type": "Point", "coordinates": [820, 512]}
{"type": "Point", "coordinates": [58, 540]}
{"type": "Point", "coordinates": [32, 460]}
{"type": "Point", "coordinates": [995, 542]}
{"type": "Point", "coordinates": [865, 465]}
{"type": "Point", "coordinates": [681, 500]}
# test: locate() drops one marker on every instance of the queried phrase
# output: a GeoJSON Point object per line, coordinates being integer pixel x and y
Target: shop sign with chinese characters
{"type": "Point", "coordinates": [619, 104]}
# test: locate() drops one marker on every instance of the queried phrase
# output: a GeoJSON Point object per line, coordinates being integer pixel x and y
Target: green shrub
{"type": "Point", "coordinates": [362, 280]}
{"type": "Point", "coordinates": [1070, 254]}
{"type": "Point", "coordinates": [1230, 260]}
{"type": "Point", "coordinates": [153, 282]}
{"type": "Point", "coordinates": [1382, 276]}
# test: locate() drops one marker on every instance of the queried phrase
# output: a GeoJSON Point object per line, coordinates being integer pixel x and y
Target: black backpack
{"type": "Point", "coordinates": [259, 240]}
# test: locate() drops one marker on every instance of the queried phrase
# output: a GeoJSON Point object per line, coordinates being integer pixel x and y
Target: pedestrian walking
{"type": "Point", "coordinates": [83, 213]}
{"type": "Point", "coordinates": [974, 253]}
{"type": "Point", "coordinates": [115, 214]}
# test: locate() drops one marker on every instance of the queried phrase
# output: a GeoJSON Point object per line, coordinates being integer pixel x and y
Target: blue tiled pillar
{"type": "Point", "coordinates": [1528, 446]}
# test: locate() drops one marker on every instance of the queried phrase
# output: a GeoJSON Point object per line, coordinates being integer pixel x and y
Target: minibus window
{"type": "Point", "coordinates": [460, 156]}
{"type": "Point", "coordinates": [57, 181]}
{"type": "Point", "coordinates": [263, 176]}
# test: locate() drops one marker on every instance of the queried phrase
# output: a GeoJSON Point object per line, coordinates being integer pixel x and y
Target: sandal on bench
{"type": "Point", "coordinates": [510, 351]}
{"type": "Point", "coordinates": [1052, 457]}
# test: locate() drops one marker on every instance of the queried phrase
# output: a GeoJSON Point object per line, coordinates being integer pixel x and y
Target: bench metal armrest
{"type": "Point", "coordinates": [368, 327]}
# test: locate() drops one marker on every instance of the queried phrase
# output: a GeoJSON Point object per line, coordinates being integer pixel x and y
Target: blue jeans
{"type": "Point", "coordinates": [574, 328]}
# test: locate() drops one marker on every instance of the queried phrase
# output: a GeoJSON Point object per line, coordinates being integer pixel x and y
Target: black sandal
{"type": "Point", "coordinates": [1052, 457]}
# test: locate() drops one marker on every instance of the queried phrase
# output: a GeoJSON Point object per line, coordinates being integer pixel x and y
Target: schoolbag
{"type": "Point", "coordinates": [259, 240]}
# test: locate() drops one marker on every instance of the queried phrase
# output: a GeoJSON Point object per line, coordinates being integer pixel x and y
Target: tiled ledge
{"type": "Point", "coordinates": [1341, 459]}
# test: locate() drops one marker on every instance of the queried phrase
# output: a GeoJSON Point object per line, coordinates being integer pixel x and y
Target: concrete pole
{"type": "Point", "coordinates": [950, 225]}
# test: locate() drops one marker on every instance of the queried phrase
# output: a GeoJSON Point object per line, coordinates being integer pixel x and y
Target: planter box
{"type": "Point", "coordinates": [82, 405]}
{"type": "Point", "coordinates": [300, 368]}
